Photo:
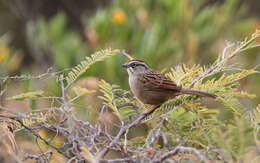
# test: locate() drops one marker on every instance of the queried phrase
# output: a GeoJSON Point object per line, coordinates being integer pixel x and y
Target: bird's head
{"type": "Point", "coordinates": [135, 66]}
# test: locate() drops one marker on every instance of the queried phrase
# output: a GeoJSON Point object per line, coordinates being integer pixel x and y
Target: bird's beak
{"type": "Point", "coordinates": [125, 65]}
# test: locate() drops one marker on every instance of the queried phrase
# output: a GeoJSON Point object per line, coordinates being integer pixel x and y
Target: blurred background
{"type": "Point", "coordinates": [38, 34]}
{"type": "Point", "coordinates": [41, 34]}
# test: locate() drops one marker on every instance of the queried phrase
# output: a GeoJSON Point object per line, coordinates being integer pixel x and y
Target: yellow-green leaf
{"type": "Point", "coordinates": [27, 95]}
{"type": "Point", "coordinates": [79, 91]}
{"type": "Point", "coordinates": [87, 155]}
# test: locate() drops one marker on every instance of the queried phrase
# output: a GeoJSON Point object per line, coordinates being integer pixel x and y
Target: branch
{"type": "Point", "coordinates": [129, 159]}
{"type": "Point", "coordinates": [7, 110]}
{"type": "Point", "coordinates": [39, 158]}
{"type": "Point", "coordinates": [29, 76]}
{"type": "Point", "coordinates": [229, 52]}
{"type": "Point", "coordinates": [15, 118]}
{"type": "Point", "coordinates": [154, 134]}
{"type": "Point", "coordinates": [179, 149]}
{"type": "Point", "coordinates": [121, 132]}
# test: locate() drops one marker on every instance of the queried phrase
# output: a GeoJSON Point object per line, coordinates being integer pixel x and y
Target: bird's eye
{"type": "Point", "coordinates": [133, 65]}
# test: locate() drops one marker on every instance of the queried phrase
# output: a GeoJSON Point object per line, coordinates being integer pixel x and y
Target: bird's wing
{"type": "Point", "coordinates": [154, 81]}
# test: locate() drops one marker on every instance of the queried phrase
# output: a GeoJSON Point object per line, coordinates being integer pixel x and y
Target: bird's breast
{"type": "Point", "coordinates": [133, 83]}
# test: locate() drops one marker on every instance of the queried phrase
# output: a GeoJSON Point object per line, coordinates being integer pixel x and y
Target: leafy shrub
{"type": "Point", "coordinates": [186, 125]}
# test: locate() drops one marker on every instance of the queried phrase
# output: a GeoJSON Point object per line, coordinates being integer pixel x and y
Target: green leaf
{"type": "Point", "coordinates": [78, 70]}
{"type": "Point", "coordinates": [108, 96]}
{"type": "Point", "coordinates": [231, 104]}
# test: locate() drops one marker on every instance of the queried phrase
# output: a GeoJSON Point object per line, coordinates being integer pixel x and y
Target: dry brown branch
{"type": "Point", "coordinates": [179, 149]}
{"type": "Point", "coordinates": [229, 52]}
{"type": "Point", "coordinates": [154, 135]}
{"type": "Point", "coordinates": [45, 75]}
{"type": "Point", "coordinates": [122, 160]}
{"type": "Point", "coordinates": [122, 131]}
{"type": "Point", "coordinates": [41, 158]}
{"type": "Point", "coordinates": [18, 119]}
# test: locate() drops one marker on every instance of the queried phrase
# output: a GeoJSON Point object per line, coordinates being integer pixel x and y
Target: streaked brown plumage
{"type": "Point", "coordinates": [152, 87]}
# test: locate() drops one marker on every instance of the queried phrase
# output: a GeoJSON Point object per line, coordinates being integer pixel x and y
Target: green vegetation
{"type": "Point", "coordinates": [75, 100]}
{"type": "Point", "coordinates": [181, 31]}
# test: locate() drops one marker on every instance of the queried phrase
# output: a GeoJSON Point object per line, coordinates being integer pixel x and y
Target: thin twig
{"type": "Point", "coordinates": [154, 134]}
{"type": "Point", "coordinates": [39, 158]}
{"type": "Point", "coordinates": [227, 54]}
{"type": "Point", "coordinates": [7, 110]}
{"type": "Point", "coordinates": [36, 135]}
{"type": "Point", "coordinates": [179, 149]}
{"type": "Point", "coordinates": [122, 160]}
{"type": "Point", "coordinates": [104, 151]}
{"type": "Point", "coordinates": [28, 76]}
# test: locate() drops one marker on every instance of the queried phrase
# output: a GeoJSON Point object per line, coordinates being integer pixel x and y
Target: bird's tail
{"type": "Point", "coordinates": [198, 93]}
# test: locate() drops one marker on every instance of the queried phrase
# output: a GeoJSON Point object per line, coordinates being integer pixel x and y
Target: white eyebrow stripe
{"type": "Point", "coordinates": [137, 62]}
{"type": "Point", "coordinates": [131, 62]}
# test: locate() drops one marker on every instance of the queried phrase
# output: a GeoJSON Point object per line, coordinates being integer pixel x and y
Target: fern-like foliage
{"type": "Point", "coordinates": [255, 118]}
{"type": "Point", "coordinates": [183, 75]}
{"type": "Point", "coordinates": [220, 123]}
{"type": "Point", "coordinates": [117, 99]}
{"type": "Point", "coordinates": [200, 126]}
{"type": "Point", "coordinates": [255, 121]}
{"type": "Point", "coordinates": [27, 95]}
{"type": "Point", "coordinates": [108, 96]}
{"type": "Point", "coordinates": [229, 52]}
{"type": "Point", "coordinates": [79, 91]}
{"type": "Point", "coordinates": [35, 118]}
{"type": "Point", "coordinates": [78, 70]}
{"type": "Point", "coordinates": [30, 119]}
{"type": "Point", "coordinates": [226, 87]}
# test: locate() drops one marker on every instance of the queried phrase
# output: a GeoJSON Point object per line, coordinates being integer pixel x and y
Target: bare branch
{"type": "Point", "coordinates": [122, 160]}
{"type": "Point", "coordinates": [15, 118]}
{"type": "Point", "coordinates": [154, 135]}
{"type": "Point", "coordinates": [29, 76]}
{"type": "Point", "coordinates": [229, 52]}
{"type": "Point", "coordinates": [41, 158]}
{"type": "Point", "coordinates": [179, 149]}
{"type": "Point", "coordinates": [104, 151]}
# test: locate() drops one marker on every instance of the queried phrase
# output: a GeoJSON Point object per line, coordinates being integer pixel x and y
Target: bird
{"type": "Point", "coordinates": [152, 87]}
